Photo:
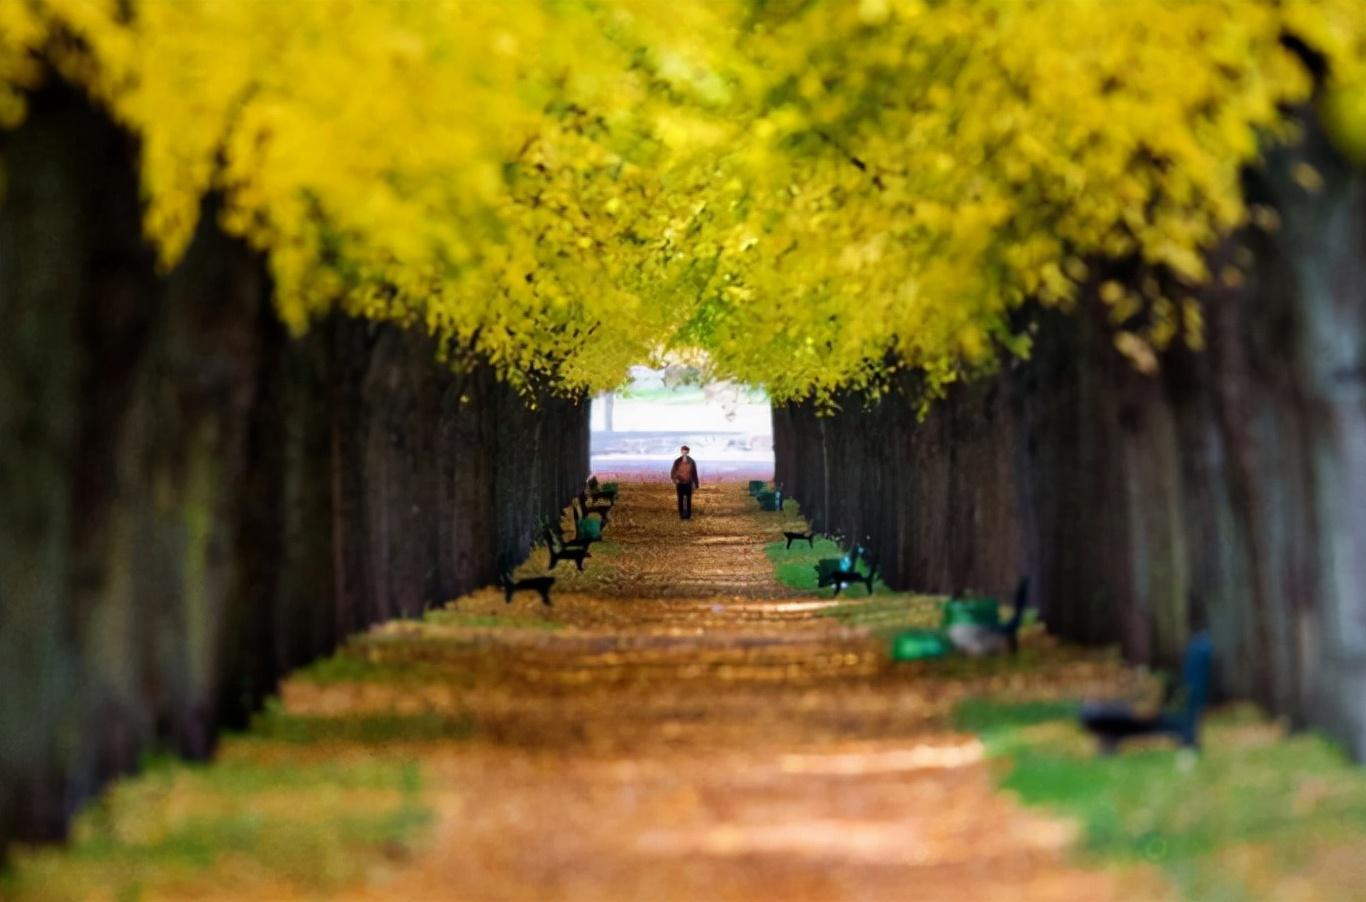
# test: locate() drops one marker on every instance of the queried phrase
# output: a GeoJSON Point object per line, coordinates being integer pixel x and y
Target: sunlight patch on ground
{"type": "Point", "coordinates": [871, 842]}
{"type": "Point", "coordinates": [918, 757]}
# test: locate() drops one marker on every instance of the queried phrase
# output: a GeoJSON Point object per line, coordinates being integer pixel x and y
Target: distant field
{"type": "Point", "coordinates": [689, 394]}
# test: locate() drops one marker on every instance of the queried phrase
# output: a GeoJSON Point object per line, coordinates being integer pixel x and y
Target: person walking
{"type": "Point", "coordinates": [684, 475]}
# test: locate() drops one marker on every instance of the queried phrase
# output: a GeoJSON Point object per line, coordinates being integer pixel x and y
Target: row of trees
{"type": "Point", "coordinates": [822, 198]}
{"type": "Point", "coordinates": [1226, 493]}
{"type": "Point", "coordinates": [193, 502]}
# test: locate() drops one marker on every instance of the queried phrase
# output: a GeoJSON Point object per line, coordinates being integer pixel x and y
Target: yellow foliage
{"type": "Point", "coordinates": [812, 194]}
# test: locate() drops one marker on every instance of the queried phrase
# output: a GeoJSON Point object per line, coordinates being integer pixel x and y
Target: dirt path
{"type": "Point", "coordinates": [693, 730]}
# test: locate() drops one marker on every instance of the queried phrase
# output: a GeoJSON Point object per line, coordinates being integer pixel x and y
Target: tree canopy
{"type": "Point", "coordinates": [812, 194]}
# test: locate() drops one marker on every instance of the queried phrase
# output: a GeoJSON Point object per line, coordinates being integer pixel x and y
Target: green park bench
{"type": "Point", "coordinates": [770, 501]}
{"type": "Point", "coordinates": [978, 611]}
{"type": "Point", "coordinates": [585, 508]}
{"type": "Point", "coordinates": [919, 645]}
{"type": "Point", "coordinates": [839, 572]}
{"type": "Point", "coordinates": [606, 491]}
{"type": "Point", "coordinates": [984, 633]}
{"type": "Point", "coordinates": [826, 568]}
{"type": "Point", "coordinates": [586, 528]}
{"type": "Point", "coordinates": [926, 644]}
{"type": "Point", "coordinates": [584, 535]}
{"type": "Point", "coordinates": [575, 551]}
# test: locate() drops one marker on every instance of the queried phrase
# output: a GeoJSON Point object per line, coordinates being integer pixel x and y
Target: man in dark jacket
{"type": "Point", "coordinates": [684, 475]}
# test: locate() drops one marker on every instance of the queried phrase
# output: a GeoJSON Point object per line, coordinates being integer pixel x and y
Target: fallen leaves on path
{"type": "Point", "coordinates": [678, 726]}
{"type": "Point", "coordinates": [692, 729]}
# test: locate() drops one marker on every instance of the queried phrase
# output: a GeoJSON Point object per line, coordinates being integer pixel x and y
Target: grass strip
{"type": "Point", "coordinates": [253, 824]}
{"type": "Point", "coordinates": [1257, 815]}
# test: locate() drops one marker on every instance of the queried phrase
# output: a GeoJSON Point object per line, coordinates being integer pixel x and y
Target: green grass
{"type": "Point", "coordinates": [885, 612]}
{"type": "Point", "coordinates": [687, 394]}
{"type": "Point", "coordinates": [1256, 816]}
{"type": "Point", "coordinates": [416, 659]}
{"type": "Point", "coordinates": [511, 620]}
{"type": "Point", "coordinates": [274, 725]}
{"type": "Point", "coordinates": [1235, 822]}
{"type": "Point", "coordinates": [795, 567]}
{"type": "Point", "coordinates": [890, 613]}
{"type": "Point", "coordinates": [310, 824]}
{"type": "Point", "coordinates": [351, 665]}
{"type": "Point", "coordinates": [605, 550]}
{"type": "Point", "coordinates": [413, 661]}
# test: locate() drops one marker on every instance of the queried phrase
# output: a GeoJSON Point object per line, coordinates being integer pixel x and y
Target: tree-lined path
{"type": "Point", "coordinates": [678, 726]}
{"type": "Point", "coordinates": [304, 306]}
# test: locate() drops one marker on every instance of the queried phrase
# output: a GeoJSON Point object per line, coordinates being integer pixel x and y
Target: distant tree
{"type": "Point", "coordinates": [609, 401]}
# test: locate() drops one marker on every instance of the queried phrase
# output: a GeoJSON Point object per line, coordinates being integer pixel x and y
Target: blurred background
{"type": "Point", "coordinates": [637, 431]}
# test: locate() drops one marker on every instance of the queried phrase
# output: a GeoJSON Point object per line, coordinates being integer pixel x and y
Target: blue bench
{"type": "Point", "coordinates": [1115, 722]}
